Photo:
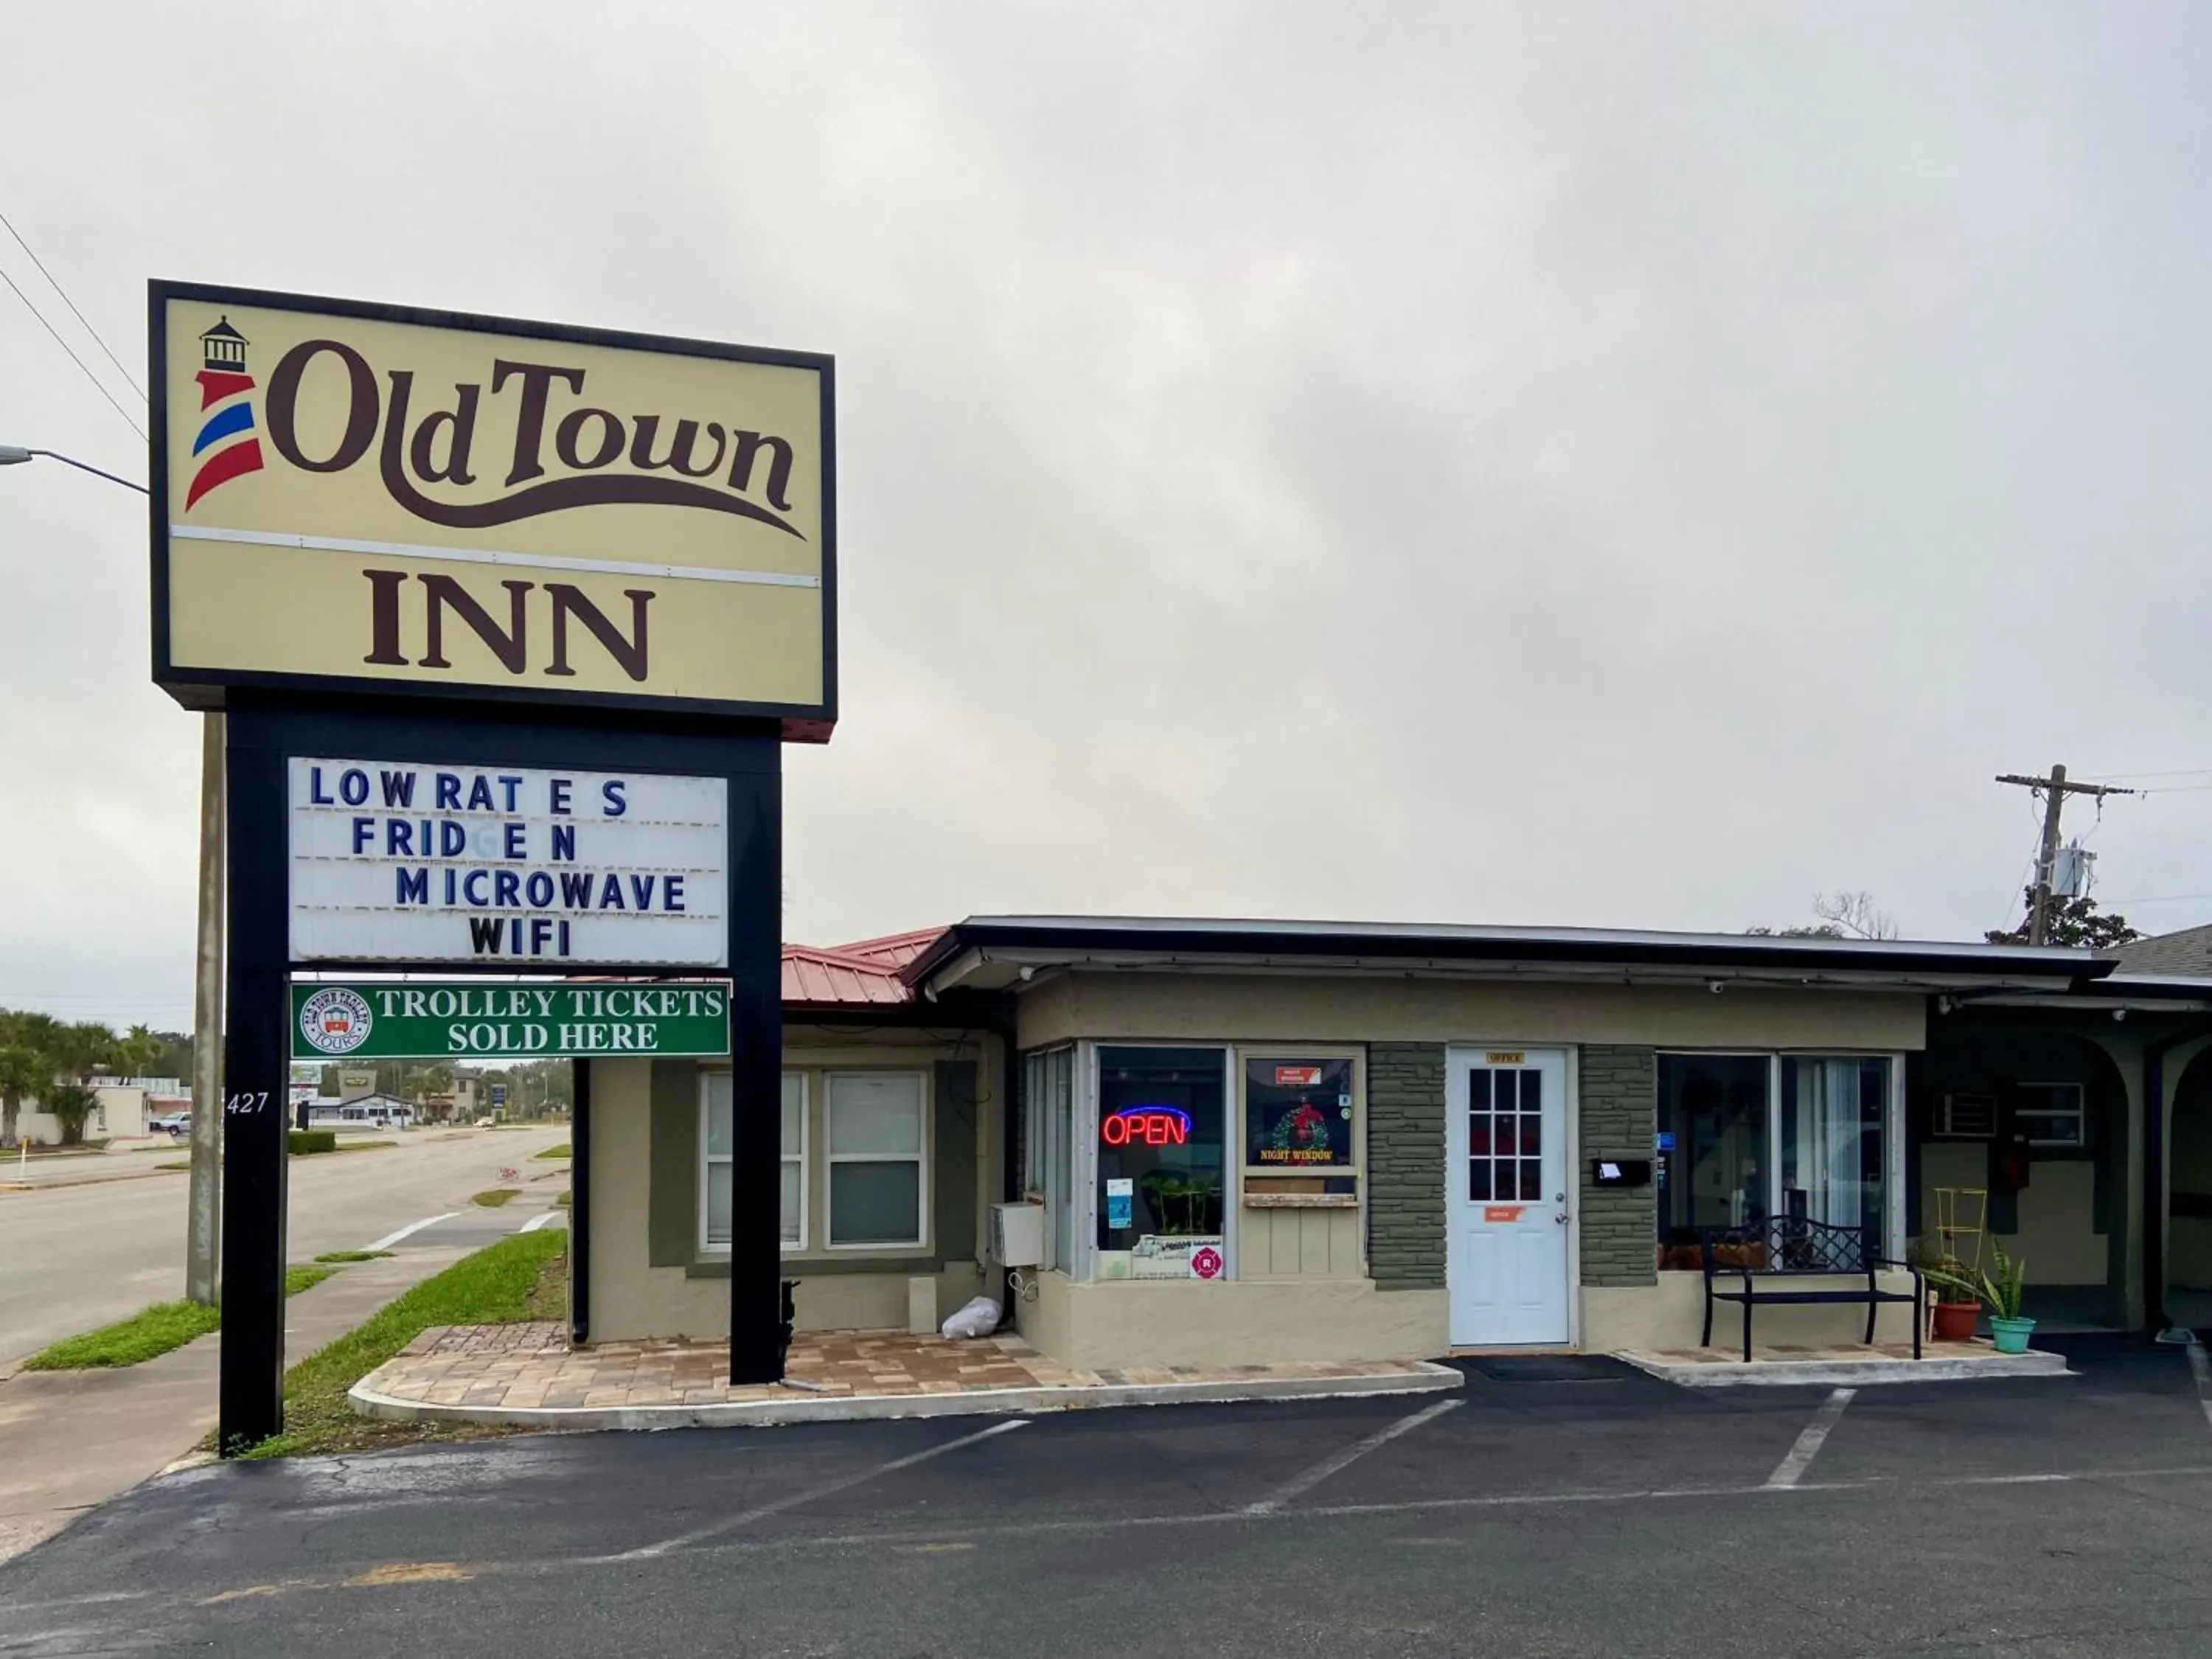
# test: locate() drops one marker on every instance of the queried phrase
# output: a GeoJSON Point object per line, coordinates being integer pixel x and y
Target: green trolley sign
{"type": "Point", "coordinates": [469, 1019]}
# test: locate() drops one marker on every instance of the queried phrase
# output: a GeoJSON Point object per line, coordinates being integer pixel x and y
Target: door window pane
{"type": "Point", "coordinates": [1505, 1135]}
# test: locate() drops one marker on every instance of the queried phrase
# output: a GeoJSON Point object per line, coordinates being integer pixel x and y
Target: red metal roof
{"type": "Point", "coordinates": [893, 951]}
{"type": "Point", "coordinates": [865, 973]}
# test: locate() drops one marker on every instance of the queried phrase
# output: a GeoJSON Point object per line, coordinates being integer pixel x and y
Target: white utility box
{"type": "Point", "coordinates": [1017, 1235]}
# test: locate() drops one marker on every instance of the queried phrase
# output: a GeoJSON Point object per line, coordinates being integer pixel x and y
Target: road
{"type": "Point", "coordinates": [72, 1257]}
{"type": "Point", "coordinates": [1556, 1507]}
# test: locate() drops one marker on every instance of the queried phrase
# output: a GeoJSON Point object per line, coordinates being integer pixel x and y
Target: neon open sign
{"type": "Point", "coordinates": [1145, 1126]}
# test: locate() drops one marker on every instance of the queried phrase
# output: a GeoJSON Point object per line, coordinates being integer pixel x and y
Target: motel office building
{"type": "Point", "coordinates": [1256, 1142]}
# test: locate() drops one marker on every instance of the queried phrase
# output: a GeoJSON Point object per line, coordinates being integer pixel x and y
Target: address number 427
{"type": "Point", "coordinates": [246, 1105]}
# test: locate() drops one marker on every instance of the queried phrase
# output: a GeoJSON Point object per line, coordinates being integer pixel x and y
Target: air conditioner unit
{"type": "Point", "coordinates": [1017, 1235]}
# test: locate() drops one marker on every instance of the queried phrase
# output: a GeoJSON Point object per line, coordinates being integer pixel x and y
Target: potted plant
{"type": "Point", "coordinates": [1958, 1298]}
{"type": "Point", "coordinates": [2000, 1288]}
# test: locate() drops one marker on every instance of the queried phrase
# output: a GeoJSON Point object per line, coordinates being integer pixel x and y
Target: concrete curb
{"type": "Point", "coordinates": [1844, 1373]}
{"type": "Point", "coordinates": [980, 1403]}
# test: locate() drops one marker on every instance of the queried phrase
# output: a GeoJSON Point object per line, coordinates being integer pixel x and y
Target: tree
{"type": "Point", "coordinates": [138, 1052]}
{"type": "Point", "coordinates": [72, 1103]}
{"type": "Point", "coordinates": [2069, 922]}
{"type": "Point", "coordinates": [1843, 915]}
{"type": "Point", "coordinates": [1856, 914]}
{"type": "Point", "coordinates": [24, 1073]}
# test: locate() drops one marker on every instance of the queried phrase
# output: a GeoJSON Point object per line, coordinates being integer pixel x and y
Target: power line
{"type": "Point", "coordinates": [97, 384]}
{"type": "Point", "coordinates": [54, 283]}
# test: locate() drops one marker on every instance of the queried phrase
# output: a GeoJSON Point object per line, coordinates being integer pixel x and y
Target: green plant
{"type": "Point", "coordinates": [495, 1197]}
{"type": "Point", "coordinates": [1999, 1287]}
{"type": "Point", "coordinates": [300, 1142]}
{"type": "Point", "coordinates": [72, 1103]}
{"type": "Point", "coordinates": [1953, 1280]}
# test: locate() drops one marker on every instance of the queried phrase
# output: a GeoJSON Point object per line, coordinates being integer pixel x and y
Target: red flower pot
{"type": "Point", "coordinates": [1955, 1321]}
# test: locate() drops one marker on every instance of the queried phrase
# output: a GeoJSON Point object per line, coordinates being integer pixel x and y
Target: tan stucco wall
{"type": "Point", "coordinates": [1114, 1324]}
{"type": "Point", "coordinates": [1290, 1008]}
{"type": "Point", "coordinates": [1670, 1315]}
{"type": "Point", "coordinates": [633, 1301]}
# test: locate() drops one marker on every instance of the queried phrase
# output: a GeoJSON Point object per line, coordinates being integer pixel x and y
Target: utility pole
{"type": "Point", "coordinates": [2054, 790]}
{"type": "Point", "coordinates": [205, 1212]}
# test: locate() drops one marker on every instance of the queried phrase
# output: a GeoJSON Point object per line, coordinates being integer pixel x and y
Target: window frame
{"type": "Point", "coordinates": [1892, 1125]}
{"type": "Point", "coordinates": [921, 1157]}
{"type": "Point", "coordinates": [1357, 1170]}
{"type": "Point", "coordinates": [2080, 1109]}
{"type": "Point", "coordinates": [708, 1158]}
{"type": "Point", "coordinates": [1083, 1130]}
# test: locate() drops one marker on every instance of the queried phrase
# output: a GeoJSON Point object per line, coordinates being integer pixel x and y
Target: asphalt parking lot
{"type": "Point", "coordinates": [1552, 1507]}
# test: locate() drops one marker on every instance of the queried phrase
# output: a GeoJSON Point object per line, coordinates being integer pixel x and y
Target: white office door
{"type": "Point", "coordinates": [1507, 1190]}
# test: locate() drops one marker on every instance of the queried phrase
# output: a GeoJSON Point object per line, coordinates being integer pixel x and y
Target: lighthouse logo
{"type": "Point", "coordinates": [226, 447]}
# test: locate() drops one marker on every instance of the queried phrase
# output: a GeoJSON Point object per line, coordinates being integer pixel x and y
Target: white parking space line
{"type": "Point", "coordinates": [1349, 1455]}
{"type": "Point", "coordinates": [537, 1221]}
{"type": "Point", "coordinates": [1791, 1469]}
{"type": "Point", "coordinates": [683, 1540]}
{"type": "Point", "coordinates": [410, 1230]}
{"type": "Point", "coordinates": [2201, 1368]}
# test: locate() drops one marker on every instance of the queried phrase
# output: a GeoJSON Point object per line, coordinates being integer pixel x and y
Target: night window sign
{"type": "Point", "coordinates": [1299, 1114]}
{"type": "Point", "coordinates": [403, 862]}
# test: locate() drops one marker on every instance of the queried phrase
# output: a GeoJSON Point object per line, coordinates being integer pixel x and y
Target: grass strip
{"type": "Point", "coordinates": [353, 1255]}
{"type": "Point", "coordinates": [150, 1333]}
{"type": "Point", "coordinates": [522, 1277]}
{"type": "Point", "coordinates": [562, 1201]}
{"type": "Point", "coordinates": [495, 1197]}
{"type": "Point", "coordinates": [562, 1151]}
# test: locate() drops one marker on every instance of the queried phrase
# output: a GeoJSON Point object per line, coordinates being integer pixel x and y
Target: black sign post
{"type": "Point", "coordinates": [755, 912]}
{"type": "Point", "coordinates": [257, 1070]}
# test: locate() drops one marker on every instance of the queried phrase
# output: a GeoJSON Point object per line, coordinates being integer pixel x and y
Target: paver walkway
{"type": "Point", "coordinates": [529, 1374]}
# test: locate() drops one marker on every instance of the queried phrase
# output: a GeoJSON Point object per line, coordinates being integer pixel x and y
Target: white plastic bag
{"type": "Point", "coordinates": [979, 1318]}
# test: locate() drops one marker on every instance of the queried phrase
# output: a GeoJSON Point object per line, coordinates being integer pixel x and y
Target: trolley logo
{"type": "Point", "coordinates": [335, 1021]}
{"type": "Point", "coordinates": [591, 456]}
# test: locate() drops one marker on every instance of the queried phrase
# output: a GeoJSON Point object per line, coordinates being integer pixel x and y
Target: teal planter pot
{"type": "Point", "coordinates": [2011, 1335]}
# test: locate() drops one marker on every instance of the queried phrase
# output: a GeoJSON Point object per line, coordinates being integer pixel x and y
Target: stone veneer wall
{"type": "Point", "coordinates": [1620, 1116]}
{"type": "Point", "coordinates": [1405, 1165]}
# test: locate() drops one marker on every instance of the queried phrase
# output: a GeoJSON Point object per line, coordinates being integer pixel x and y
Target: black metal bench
{"type": "Point", "coordinates": [1792, 1247]}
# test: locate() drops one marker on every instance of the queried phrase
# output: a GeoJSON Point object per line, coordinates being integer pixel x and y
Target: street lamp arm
{"type": "Point", "coordinates": [14, 452]}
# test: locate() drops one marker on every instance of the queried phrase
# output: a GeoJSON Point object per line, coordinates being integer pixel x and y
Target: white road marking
{"type": "Point", "coordinates": [1791, 1469]}
{"type": "Point", "coordinates": [2201, 1368]}
{"type": "Point", "coordinates": [1344, 1459]}
{"type": "Point", "coordinates": [686, 1540]}
{"type": "Point", "coordinates": [537, 1221]}
{"type": "Point", "coordinates": [410, 1230]}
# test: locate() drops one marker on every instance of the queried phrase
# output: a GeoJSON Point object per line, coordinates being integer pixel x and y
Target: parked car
{"type": "Point", "coordinates": [175, 1124]}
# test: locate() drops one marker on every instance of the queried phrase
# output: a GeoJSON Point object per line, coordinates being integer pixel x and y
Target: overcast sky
{"type": "Point", "coordinates": [1617, 465]}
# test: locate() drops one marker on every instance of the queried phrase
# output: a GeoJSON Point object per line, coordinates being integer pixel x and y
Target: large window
{"type": "Point", "coordinates": [714, 1161]}
{"type": "Point", "coordinates": [1742, 1137]}
{"type": "Point", "coordinates": [1048, 1148]}
{"type": "Point", "coordinates": [874, 1135]}
{"type": "Point", "coordinates": [1161, 1194]}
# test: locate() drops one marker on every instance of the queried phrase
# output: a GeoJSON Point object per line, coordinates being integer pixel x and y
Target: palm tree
{"type": "Point", "coordinates": [139, 1052]}
{"type": "Point", "coordinates": [24, 1074]}
{"type": "Point", "coordinates": [83, 1048]}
